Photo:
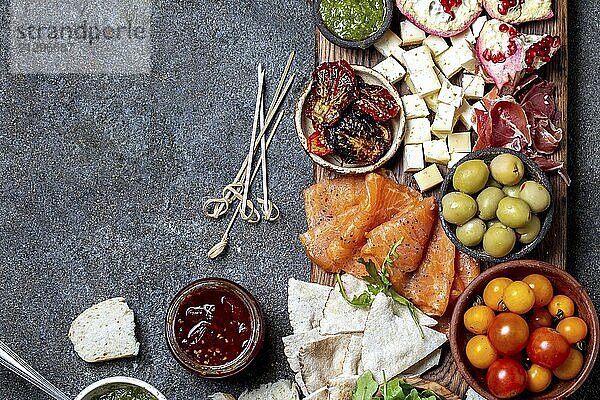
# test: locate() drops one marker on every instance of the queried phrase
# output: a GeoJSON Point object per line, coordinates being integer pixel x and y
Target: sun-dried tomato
{"type": "Point", "coordinates": [357, 138]}
{"type": "Point", "coordinates": [376, 101]}
{"type": "Point", "coordinates": [333, 90]}
{"type": "Point", "coordinates": [316, 143]}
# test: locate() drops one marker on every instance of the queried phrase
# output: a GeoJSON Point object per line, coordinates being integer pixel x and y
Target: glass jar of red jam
{"type": "Point", "coordinates": [214, 327]}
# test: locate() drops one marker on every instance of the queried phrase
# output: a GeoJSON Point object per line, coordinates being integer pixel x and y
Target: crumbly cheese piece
{"type": "Point", "coordinates": [391, 69]}
{"type": "Point", "coordinates": [455, 158]}
{"type": "Point", "coordinates": [432, 101]}
{"type": "Point", "coordinates": [459, 142]}
{"type": "Point", "coordinates": [414, 106]}
{"type": "Point", "coordinates": [436, 44]}
{"type": "Point", "coordinates": [449, 61]}
{"type": "Point", "coordinates": [412, 159]}
{"type": "Point", "coordinates": [390, 45]}
{"type": "Point", "coordinates": [425, 81]}
{"type": "Point", "coordinates": [410, 84]}
{"type": "Point", "coordinates": [478, 26]}
{"type": "Point", "coordinates": [410, 34]}
{"type": "Point", "coordinates": [417, 131]}
{"type": "Point", "coordinates": [444, 119]}
{"type": "Point", "coordinates": [466, 56]}
{"type": "Point", "coordinates": [428, 178]}
{"type": "Point", "coordinates": [466, 114]}
{"type": "Point", "coordinates": [473, 86]}
{"type": "Point", "coordinates": [436, 151]}
{"type": "Point", "coordinates": [418, 58]}
{"type": "Point", "coordinates": [465, 36]}
{"type": "Point", "coordinates": [451, 94]}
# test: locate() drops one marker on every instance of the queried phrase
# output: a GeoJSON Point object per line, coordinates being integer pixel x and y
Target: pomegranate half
{"type": "Point", "coordinates": [519, 11]}
{"type": "Point", "coordinates": [441, 17]}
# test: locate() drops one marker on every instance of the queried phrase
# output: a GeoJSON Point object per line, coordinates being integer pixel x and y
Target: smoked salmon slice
{"type": "Point", "coordinates": [329, 198]}
{"type": "Point", "coordinates": [466, 269]}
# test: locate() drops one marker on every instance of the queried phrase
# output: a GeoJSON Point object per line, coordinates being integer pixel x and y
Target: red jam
{"type": "Point", "coordinates": [213, 326]}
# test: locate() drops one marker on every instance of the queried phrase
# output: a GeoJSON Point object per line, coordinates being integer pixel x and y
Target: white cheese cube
{"type": "Point", "coordinates": [436, 44]}
{"type": "Point", "coordinates": [466, 113]}
{"type": "Point", "coordinates": [413, 158]}
{"type": "Point", "coordinates": [410, 34]}
{"type": "Point", "coordinates": [418, 59]}
{"type": "Point", "coordinates": [425, 81]}
{"type": "Point", "coordinates": [459, 142]}
{"type": "Point", "coordinates": [451, 94]}
{"type": "Point", "coordinates": [436, 151]}
{"type": "Point", "coordinates": [414, 106]}
{"type": "Point", "coordinates": [391, 69]}
{"type": "Point", "coordinates": [410, 84]}
{"type": "Point", "coordinates": [464, 36]}
{"type": "Point", "coordinates": [428, 178]}
{"type": "Point", "coordinates": [467, 58]}
{"type": "Point", "coordinates": [432, 101]}
{"type": "Point", "coordinates": [390, 45]}
{"type": "Point", "coordinates": [444, 119]}
{"type": "Point", "coordinates": [449, 61]}
{"type": "Point", "coordinates": [473, 86]}
{"type": "Point", "coordinates": [478, 26]}
{"type": "Point", "coordinates": [417, 131]}
{"type": "Point", "coordinates": [455, 158]}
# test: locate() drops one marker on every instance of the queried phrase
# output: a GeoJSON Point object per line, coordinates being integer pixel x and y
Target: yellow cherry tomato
{"type": "Point", "coordinates": [538, 378]}
{"type": "Point", "coordinates": [478, 318]}
{"type": "Point", "coordinates": [492, 294]}
{"type": "Point", "coordinates": [518, 297]}
{"type": "Point", "coordinates": [542, 288]}
{"type": "Point", "coordinates": [480, 352]}
{"type": "Point", "coordinates": [571, 367]}
{"type": "Point", "coordinates": [563, 303]}
{"type": "Point", "coordinates": [574, 329]}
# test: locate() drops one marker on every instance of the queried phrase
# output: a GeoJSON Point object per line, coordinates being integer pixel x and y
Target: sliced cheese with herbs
{"type": "Point", "coordinates": [436, 44]}
{"type": "Point", "coordinates": [391, 69]}
{"type": "Point", "coordinates": [428, 178]}
{"type": "Point", "coordinates": [414, 106]}
{"type": "Point", "coordinates": [443, 122]}
{"type": "Point", "coordinates": [436, 151]}
{"type": "Point", "coordinates": [390, 45]}
{"type": "Point", "coordinates": [417, 130]}
{"type": "Point", "coordinates": [451, 94]}
{"type": "Point", "coordinates": [410, 34]}
{"type": "Point", "coordinates": [473, 86]}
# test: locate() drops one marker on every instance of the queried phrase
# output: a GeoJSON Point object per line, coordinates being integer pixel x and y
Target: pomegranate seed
{"type": "Point", "coordinates": [503, 27]}
{"type": "Point", "coordinates": [556, 42]}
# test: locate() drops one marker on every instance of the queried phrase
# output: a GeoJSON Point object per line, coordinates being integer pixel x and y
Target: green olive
{"type": "Point", "coordinates": [530, 231]}
{"type": "Point", "coordinates": [487, 202]}
{"type": "Point", "coordinates": [507, 169]}
{"type": "Point", "coordinates": [513, 213]}
{"type": "Point", "coordinates": [499, 240]}
{"type": "Point", "coordinates": [458, 208]}
{"type": "Point", "coordinates": [493, 222]}
{"type": "Point", "coordinates": [493, 183]}
{"type": "Point", "coordinates": [535, 195]}
{"type": "Point", "coordinates": [471, 176]}
{"type": "Point", "coordinates": [512, 191]}
{"type": "Point", "coordinates": [471, 233]}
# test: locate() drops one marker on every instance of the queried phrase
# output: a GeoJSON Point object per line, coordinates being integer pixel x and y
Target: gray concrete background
{"type": "Point", "coordinates": [102, 181]}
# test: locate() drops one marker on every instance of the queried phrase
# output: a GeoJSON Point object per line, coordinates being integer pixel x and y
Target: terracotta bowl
{"type": "Point", "coordinates": [563, 283]}
{"type": "Point", "coordinates": [304, 127]}
{"type": "Point", "coordinates": [532, 172]}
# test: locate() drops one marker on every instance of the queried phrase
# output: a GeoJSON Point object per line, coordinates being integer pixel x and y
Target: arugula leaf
{"type": "Point", "coordinates": [392, 390]}
{"type": "Point", "coordinates": [366, 387]}
{"type": "Point", "coordinates": [364, 300]}
{"type": "Point", "coordinates": [413, 395]}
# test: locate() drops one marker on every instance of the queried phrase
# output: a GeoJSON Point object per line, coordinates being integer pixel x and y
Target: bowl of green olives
{"type": "Point", "coordinates": [496, 205]}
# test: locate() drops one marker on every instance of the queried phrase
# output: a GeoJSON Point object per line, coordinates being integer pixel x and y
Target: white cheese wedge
{"type": "Point", "coordinates": [451, 94]}
{"type": "Point", "coordinates": [390, 45]}
{"type": "Point", "coordinates": [466, 56]}
{"type": "Point", "coordinates": [410, 33]}
{"type": "Point", "coordinates": [459, 142]}
{"type": "Point", "coordinates": [449, 61]}
{"type": "Point", "coordinates": [478, 26]}
{"type": "Point", "coordinates": [443, 122]}
{"type": "Point", "coordinates": [473, 86]}
{"type": "Point", "coordinates": [436, 44]}
{"type": "Point", "coordinates": [391, 69]}
{"type": "Point", "coordinates": [466, 114]}
{"type": "Point", "coordinates": [428, 178]}
{"type": "Point", "coordinates": [432, 101]}
{"type": "Point", "coordinates": [414, 106]}
{"type": "Point", "coordinates": [417, 131]}
{"type": "Point", "coordinates": [412, 160]}
{"type": "Point", "coordinates": [465, 36]}
{"type": "Point", "coordinates": [436, 151]}
{"type": "Point", "coordinates": [455, 158]}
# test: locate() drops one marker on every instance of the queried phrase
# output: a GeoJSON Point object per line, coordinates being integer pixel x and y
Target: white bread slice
{"type": "Point", "coordinates": [105, 331]}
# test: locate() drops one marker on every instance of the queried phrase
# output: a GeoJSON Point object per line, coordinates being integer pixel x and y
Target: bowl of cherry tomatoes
{"type": "Point", "coordinates": [524, 329]}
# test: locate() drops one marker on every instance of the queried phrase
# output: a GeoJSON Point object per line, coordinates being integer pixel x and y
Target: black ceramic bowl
{"type": "Point", "coordinates": [532, 172]}
{"type": "Point", "coordinates": [363, 44]}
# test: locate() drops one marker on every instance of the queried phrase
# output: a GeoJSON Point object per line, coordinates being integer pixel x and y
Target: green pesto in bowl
{"type": "Point", "coordinates": [125, 393]}
{"type": "Point", "coordinates": [353, 20]}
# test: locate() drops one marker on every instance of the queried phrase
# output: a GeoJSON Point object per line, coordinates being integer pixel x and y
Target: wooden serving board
{"type": "Point", "coordinates": [554, 247]}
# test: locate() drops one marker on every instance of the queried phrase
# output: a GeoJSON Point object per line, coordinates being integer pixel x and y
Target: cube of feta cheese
{"type": "Point", "coordinates": [409, 83]}
{"type": "Point", "coordinates": [413, 158]}
{"type": "Point", "coordinates": [436, 151]}
{"type": "Point", "coordinates": [478, 26]}
{"type": "Point", "coordinates": [444, 119]}
{"type": "Point", "coordinates": [414, 106]}
{"type": "Point", "coordinates": [466, 114]}
{"type": "Point", "coordinates": [418, 59]}
{"type": "Point", "coordinates": [410, 34]}
{"type": "Point", "coordinates": [449, 61]}
{"type": "Point", "coordinates": [391, 69]}
{"type": "Point", "coordinates": [432, 101]}
{"type": "Point", "coordinates": [451, 94]}
{"type": "Point", "coordinates": [455, 158]}
{"type": "Point", "coordinates": [425, 81]}
{"type": "Point", "coordinates": [390, 45]}
{"type": "Point", "coordinates": [436, 44]}
{"type": "Point", "coordinates": [417, 131]}
{"type": "Point", "coordinates": [466, 56]}
{"type": "Point", "coordinates": [473, 86]}
{"type": "Point", "coordinates": [464, 36]}
{"type": "Point", "coordinates": [428, 178]}
{"type": "Point", "coordinates": [459, 142]}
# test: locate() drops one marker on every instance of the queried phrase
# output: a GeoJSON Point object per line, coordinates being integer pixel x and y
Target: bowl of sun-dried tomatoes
{"type": "Point", "coordinates": [349, 118]}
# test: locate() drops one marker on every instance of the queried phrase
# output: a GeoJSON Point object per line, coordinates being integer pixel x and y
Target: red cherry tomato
{"type": "Point", "coordinates": [506, 378]}
{"type": "Point", "coordinates": [547, 348]}
{"type": "Point", "coordinates": [540, 318]}
{"type": "Point", "coordinates": [508, 333]}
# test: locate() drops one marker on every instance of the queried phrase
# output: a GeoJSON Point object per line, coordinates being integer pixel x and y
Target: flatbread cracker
{"type": "Point", "coordinates": [338, 315]}
{"type": "Point", "coordinates": [321, 360]}
{"type": "Point", "coordinates": [306, 301]}
{"type": "Point", "coordinates": [353, 356]}
{"type": "Point", "coordinates": [321, 394]}
{"type": "Point", "coordinates": [293, 343]}
{"type": "Point", "coordinates": [341, 388]}
{"type": "Point", "coordinates": [280, 390]}
{"type": "Point", "coordinates": [424, 365]}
